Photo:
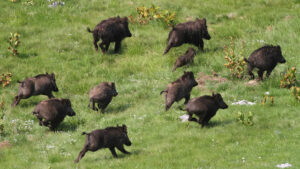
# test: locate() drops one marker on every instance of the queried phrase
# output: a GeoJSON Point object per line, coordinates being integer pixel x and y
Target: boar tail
{"type": "Point", "coordinates": [89, 30]}
{"type": "Point", "coordinates": [180, 108]}
{"type": "Point", "coordinates": [246, 60]}
{"type": "Point", "coordinates": [84, 133]}
{"type": "Point", "coordinates": [163, 92]}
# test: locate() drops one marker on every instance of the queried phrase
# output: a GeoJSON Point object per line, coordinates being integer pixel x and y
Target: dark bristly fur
{"type": "Point", "coordinates": [110, 137]}
{"type": "Point", "coordinates": [110, 30]}
{"type": "Point", "coordinates": [179, 89]}
{"type": "Point", "coordinates": [185, 59]}
{"type": "Point", "coordinates": [188, 32]}
{"type": "Point", "coordinates": [52, 112]}
{"type": "Point", "coordinates": [102, 95]}
{"type": "Point", "coordinates": [205, 107]}
{"type": "Point", "coordinates": [265, 59]}
{"type": "Point", "coordinates": [42, 84]}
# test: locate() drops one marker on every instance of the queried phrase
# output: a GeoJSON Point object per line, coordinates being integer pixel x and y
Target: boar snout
{"type": "Point", "coordinates": [71, 112]}
{"type": "Point", "coordinates": [282, 60]}
{"type": "Point", "coordinates": [206, 36]}
{"type": "Point", "coordinates": [127, 142]}
{"type": "Point", "coordinates": [129, 34]}
{"type": "Point", "coordinates": [115, 93]}
{"type": "Point", "coordinates": [223, 105]}
{"type": "Point", "coordinates": [195, 83]}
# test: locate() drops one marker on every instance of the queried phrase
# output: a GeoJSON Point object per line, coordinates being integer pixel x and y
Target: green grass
{"type": "Point", "coordinates": [56, 40]}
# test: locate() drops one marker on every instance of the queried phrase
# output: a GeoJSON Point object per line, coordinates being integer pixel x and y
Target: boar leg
{"type": "Point", "coordinates": [16, 101]}
{"type": "Point", "coordinates": [268, 73]}
{"type": "Point", "coordinates": [260, 74]}
{"type": "Point", "coordinates": [169, 102]}
{"type": "Point", "coordinates": [201, 45]}
{"type": "Point", "coordinates": [50, 95]}
{"type": "Point", "coordinates": [93, 103]}
{"type": "Point", "coordinates": [113, 151]}
{"type": "Point", "coordinates": [106, 46]}
{"type": "Point", "coordinates": [250, 68]}
{"type": "Point", "coordinates": [121, 148]}
{"type": "Point", "coordinates": [191, 118]}
{"type": "Point", "coordinates": [168, 48]}
{"type": "Point", "coordinates": [81, 154]}
{"type": "Point", "coordinates": [117, 46]}
{"type": "Point", "coordinates": [102, 47]}
{"type": "Point", "coordinates": [187, 98]}
{"type": "Point", "coordinates": [201, 119]}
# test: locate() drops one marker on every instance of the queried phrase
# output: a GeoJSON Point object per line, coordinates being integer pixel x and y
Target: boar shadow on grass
{"type": "Point", "coordinates": [26, 55]}
{"type": "Point", "coordinates": [118, 109]}
{"type": "Point", "coordinates": [67, 126]}
{"type": "Point", "coordinates": [214, 123]}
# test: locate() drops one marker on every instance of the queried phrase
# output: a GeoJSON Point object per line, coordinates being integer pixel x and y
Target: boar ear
{"type": "Point", "coordinates": [53, 75]}
{"type": "Point", "coordinates": [66, 102]}
{"type": "Point", "coordinates": [278, 47]}
{"type": "Point", "coordinates": [46, 73]}
{"type": "Point", "coordinates": [213, 94]}
{"type": "Point", "coordinates": [204, 21]}
{"type": "Point", "coordinates": [124, 127]}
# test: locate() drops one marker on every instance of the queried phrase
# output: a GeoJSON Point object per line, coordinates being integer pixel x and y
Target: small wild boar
{"type": "Point", "coordinates": [205, 107]}
{"type": "Point", "coordinates": [102, 94]}
{"type": "Point", "coordinates": [52, 112]}
{"type": "Point", "coordinates": [185, 59]}
{"type": "Point", "coordinates": [188, 32]}
{"type": "Point", "coordinates": [110, 30]}
{"type": "Point", "coordinates": [42, 84]}
{"type": "Point", "coordinates": [109, 137]}
{"type": "Point", "coordinates": [181, 88]}
{"type": "Point", "coordinates": [265, 59]}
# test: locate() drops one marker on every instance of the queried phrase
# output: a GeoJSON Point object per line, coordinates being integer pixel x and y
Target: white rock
{"type": "Point", "coordinates": [286, 165]}
{"type": "Point", "coordinates": [243, 102]}
{"type": "Point", "coordinates": [184, 118]}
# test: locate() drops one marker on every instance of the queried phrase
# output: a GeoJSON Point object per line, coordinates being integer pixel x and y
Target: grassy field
{"type": "Point", "coordinates": [56, 40]}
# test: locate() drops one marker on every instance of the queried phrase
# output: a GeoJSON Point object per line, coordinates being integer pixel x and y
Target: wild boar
{"type": "Point", "coordinates": [181, 88]}
{"type": "Point", "coordinates": [188, 32]}
{"type": "Point", "coordinates": [52, 112]}
{"type": "Point", "coordinates": [185, 59]}
{"type": "Point", "coordinates": [42, 84]}
{"type": "Point", "coordinates": [102, 95]}
{"type": "Point", "coordinates": [265, 59]}
{"type": "Point", "coordinates": [109, 137]}
{"type": "Point", "coordinates": [110, 30]}
{"type": "Point", "coordinates": [205, 107]}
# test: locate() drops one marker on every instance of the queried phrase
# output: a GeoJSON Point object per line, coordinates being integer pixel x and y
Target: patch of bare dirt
{"type": "Point", "coordinates": [214, 77]}
{"type": "Point", "coordinates": [252, 83]}
{"type": "Point", "coordinates": [4, 144]}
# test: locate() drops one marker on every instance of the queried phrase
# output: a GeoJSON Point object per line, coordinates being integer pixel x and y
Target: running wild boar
{"type": "Point", "coordinates": [42, 84]}
{"type": "Point", "coordinates": [265, 59]}
{"type": "Point", "coordinates": [181, 88]}
{"type": "Point", "coordinates": [188, 32]}
{"type": "Point", "coordinates": [52, 112]}
{"type": "Point", "coordinates": [110, 137]}
{"type": "Point", "coordinates": [205, 107]}
{"type": "Point", "coordinates": [102, 95]}
{"type": "Point", "coordinates": [110, 30]}
{"type": "Point", "coordinates": [185, 59]}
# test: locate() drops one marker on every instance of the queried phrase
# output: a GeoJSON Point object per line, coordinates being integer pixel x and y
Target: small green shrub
{"type": "Point", "coordinates": [296, 92]}
{"type": "Point", "coordinates": [234, 61]}
{"type": "Point", "coordinates": [28, 3]}
{"type": "Point", "coordinates": [289, 78]}
{"type": "Point", "coordinates": [266, 98]}
{"type": "Point", "coordinates": [14, 42]}
{"type": "Point", "coordinates": [5, 79]}
{"type": "Point", "coordinates": [144, 15]}
{"type": "Point", "coordinates": [1, 117]}
{"type": "Point", "coordinates": [245, 120]}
